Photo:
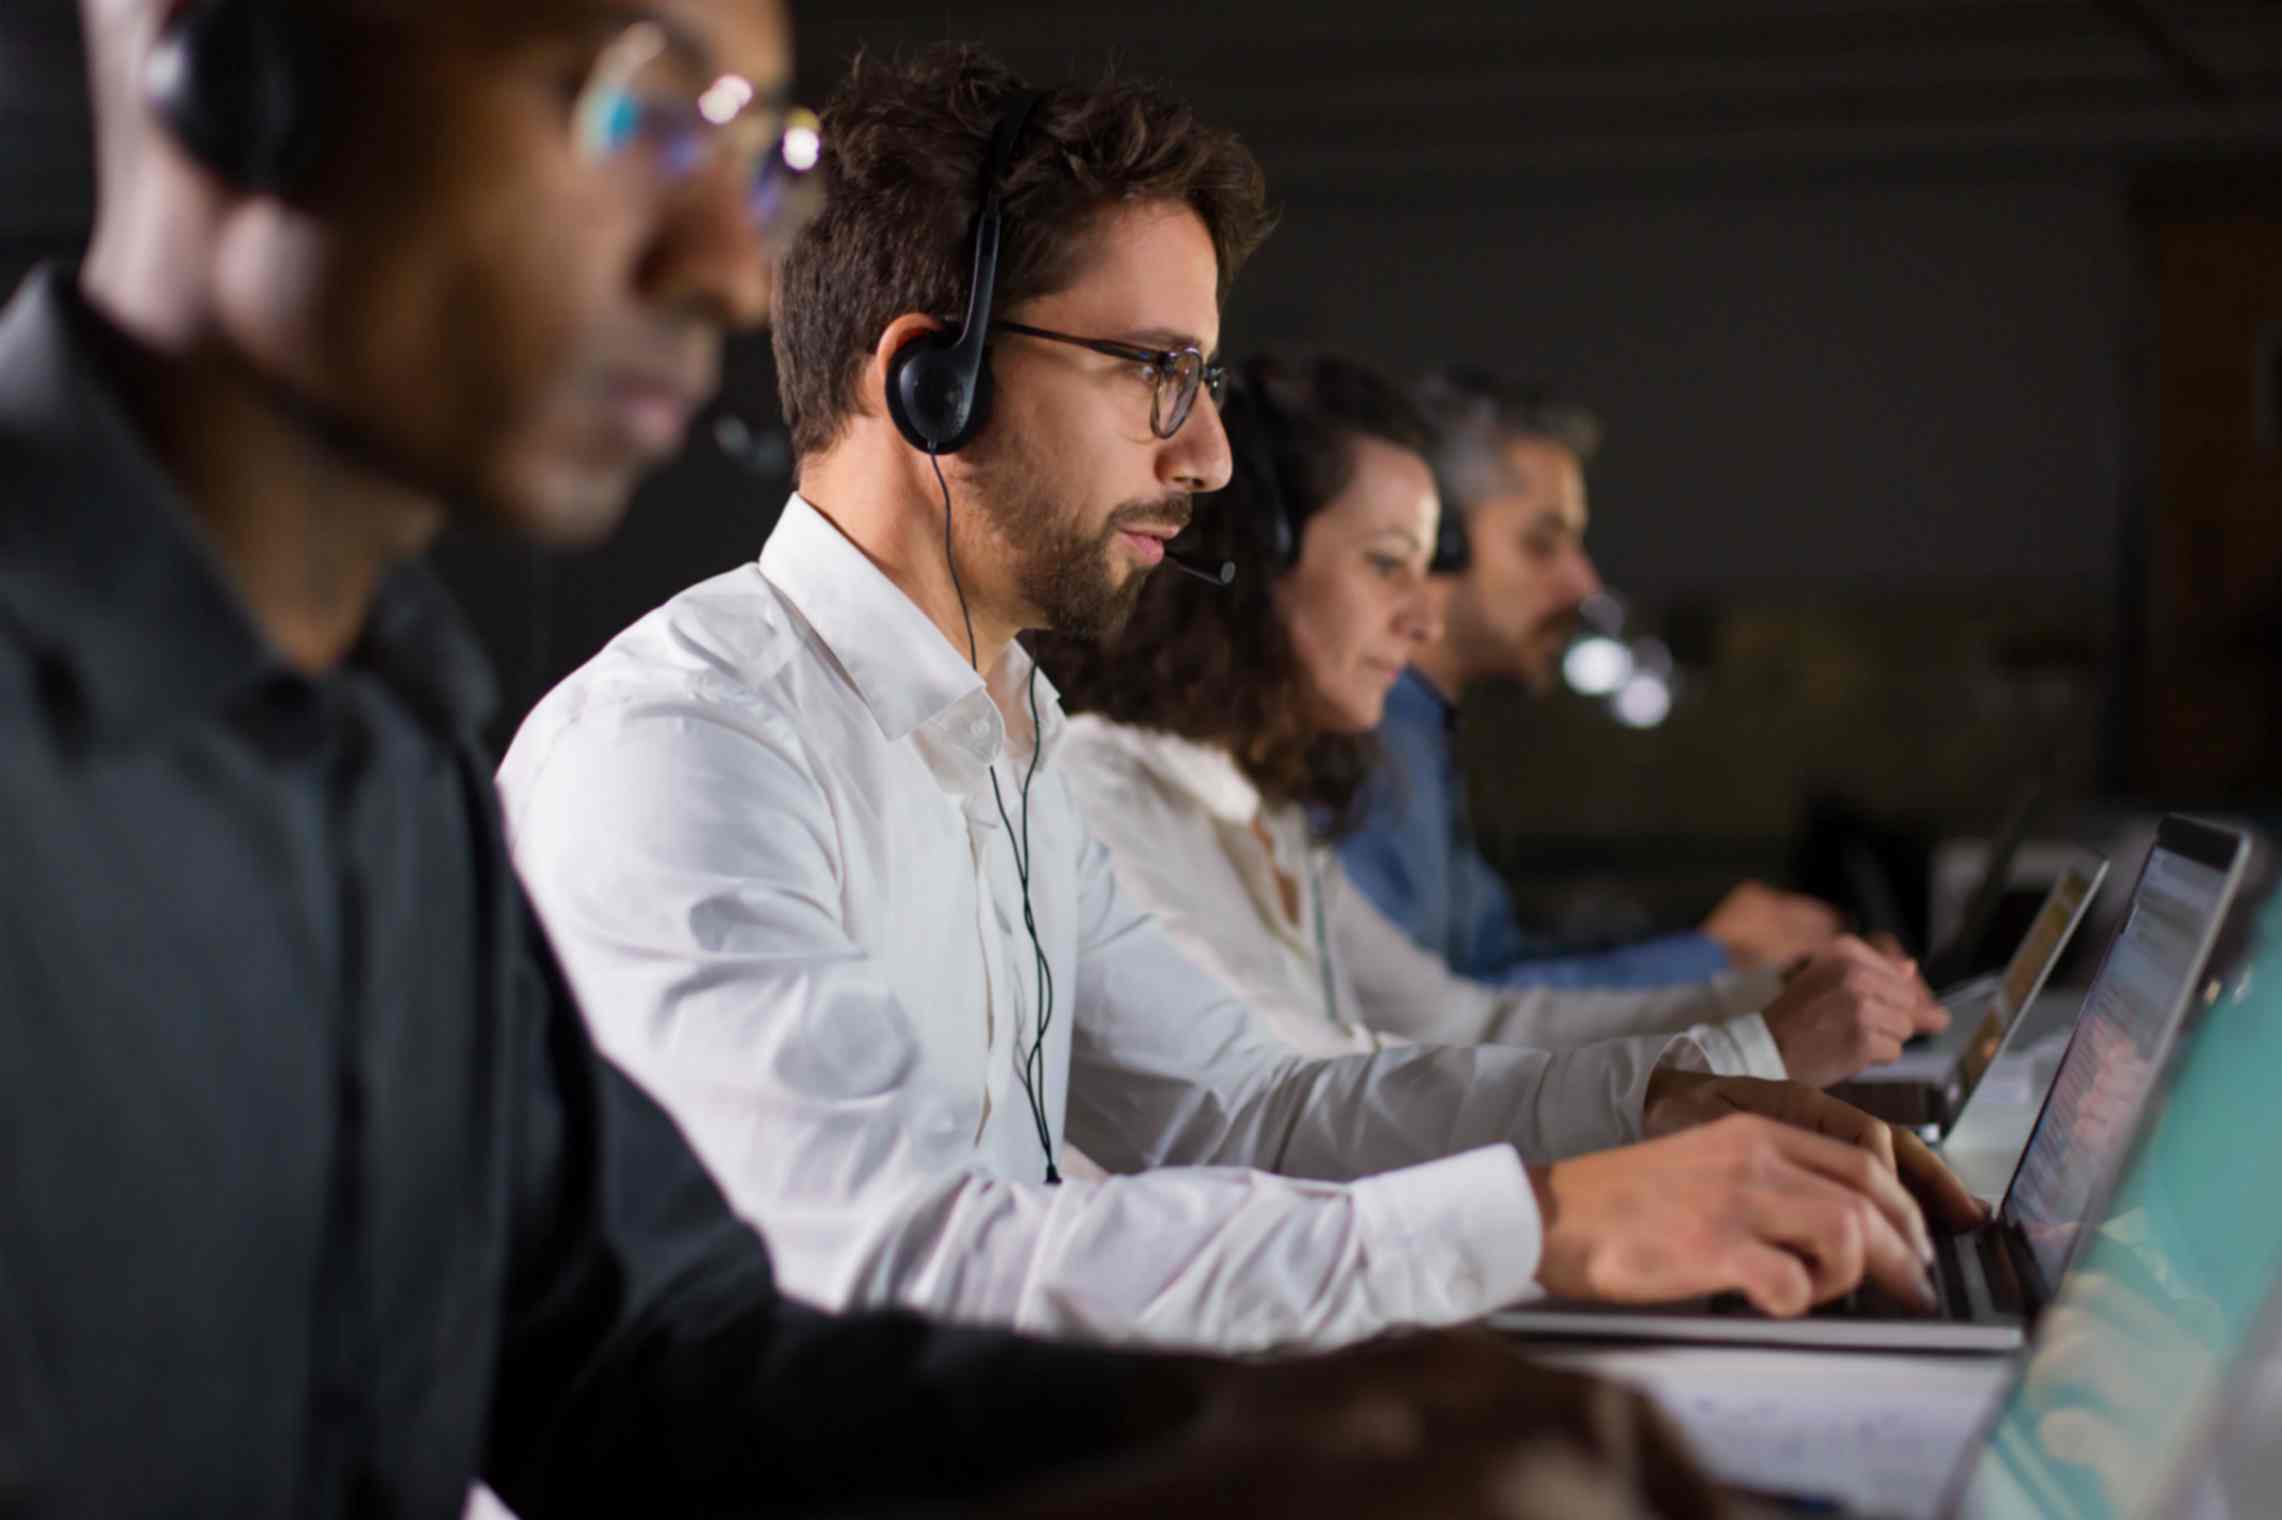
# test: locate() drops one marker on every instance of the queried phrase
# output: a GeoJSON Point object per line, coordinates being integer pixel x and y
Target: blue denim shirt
{"type": "Point", "coordinates": [1414, 857]}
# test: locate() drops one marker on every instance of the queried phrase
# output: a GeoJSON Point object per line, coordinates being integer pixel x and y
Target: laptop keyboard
{"type": "Point", "coordinates": [1971, 1275]}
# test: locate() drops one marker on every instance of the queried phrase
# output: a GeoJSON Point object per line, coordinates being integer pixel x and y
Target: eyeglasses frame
{"type": "Point", "coordinates": [638, 44]}
{"type": "Point", "coordinates": [1210, 376]}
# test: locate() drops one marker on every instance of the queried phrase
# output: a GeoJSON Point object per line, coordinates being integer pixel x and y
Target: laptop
{"type": "Point", "coordinates": [2154, 1367]}
{"type": "Point", "coordinates": [1932, 1108]}
{"type": "Point", "coordinates": [1953, 960]}
{"type": "Point", "coordinates": [1994, 1281]}
{"type": "Point", "coordinates": [2172, 1308]}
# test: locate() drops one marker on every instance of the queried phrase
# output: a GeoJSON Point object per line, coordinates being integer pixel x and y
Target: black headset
{"type": "Point", "coordinates": [240, 85]}
{"type": "Point", "coordinates": [938, 385]}
{"type": "Point", "coordinates": [1453, 554]}
{"type": "Point", "coordinates": [1252, 439]}
{"type": "Point", "coordinates": [938, 395]}
{"type": "Point", "coordinates": [1250, 418]}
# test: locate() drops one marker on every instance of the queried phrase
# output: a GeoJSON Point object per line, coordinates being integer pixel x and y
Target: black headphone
{"type": "Point", "coordinates": [1452, 553]}
{"type": "Point", "coordinates": [239, 84]}
{"type": "Point", "coordinates": [1258, 454]}
{"type": "Point", "coordinates": [938, 386]}
{"type": "Point", "coordinates": [1256, 428]}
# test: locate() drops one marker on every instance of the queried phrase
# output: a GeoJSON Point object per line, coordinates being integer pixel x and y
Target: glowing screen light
{"type": "Point", "coordinates": [724, 99]}
{"type": "Point", "coordinates": [1643, 702]}
{"type": "Point", "coordinates": [1596, 666]}
{"type": "Point", "coordinates": [803, 144]}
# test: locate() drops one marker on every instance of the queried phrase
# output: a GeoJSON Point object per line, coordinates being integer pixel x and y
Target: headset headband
{"type": "Point", "coordinates": [974, 331]}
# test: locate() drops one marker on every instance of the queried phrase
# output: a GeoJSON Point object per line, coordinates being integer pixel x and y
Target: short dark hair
{"type": "Point", "coordinates": [904, 148]}
{"type": "Point", "coordinates": [1213, 664]}
{"type": "Point", "coordinates": [1475, 412]}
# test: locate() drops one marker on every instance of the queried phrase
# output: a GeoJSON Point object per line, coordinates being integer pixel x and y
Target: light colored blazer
{"type": "Point", "coordinates": [1341, 977]}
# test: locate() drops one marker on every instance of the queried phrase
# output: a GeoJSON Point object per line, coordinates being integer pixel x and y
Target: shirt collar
{"type": "Point", "coordinates": [906, 672]}
{"type": "Point", "coordinates": [102, 564]}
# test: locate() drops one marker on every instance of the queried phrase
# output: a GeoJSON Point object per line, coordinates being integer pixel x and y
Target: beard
{"type": "Point", "coordinates": [1491, 645]}
{"type": "Point", "coordinates": [1066, 574]}
{"type": "Point", "coordinates": [1548, 642]}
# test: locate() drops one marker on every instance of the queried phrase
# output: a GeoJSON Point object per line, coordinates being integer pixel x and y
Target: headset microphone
{"type": "Point", "coordinates": [1224, 574]}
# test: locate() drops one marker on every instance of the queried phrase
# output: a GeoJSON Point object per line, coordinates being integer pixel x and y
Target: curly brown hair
{"type": "Point", "coordinates": [904, 148]}
{"type": "Point", "coordinates": [1213, 664]}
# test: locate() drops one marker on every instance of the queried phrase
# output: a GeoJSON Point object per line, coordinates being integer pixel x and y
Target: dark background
{"type": "Point", "coordinates": [1939, 344]}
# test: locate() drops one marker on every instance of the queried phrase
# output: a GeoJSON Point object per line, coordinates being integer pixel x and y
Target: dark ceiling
{"type": "Point", "coordinates": [1332, 93]}
{"type": "Point", "coordinates": [1337, 93]}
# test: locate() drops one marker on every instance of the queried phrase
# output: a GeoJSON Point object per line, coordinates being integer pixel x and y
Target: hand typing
{"type": "Point", "coordinates": [1767, 1188]}
{"type": "Point", "coordinates": [1759, 926]}
{"type": "Point", "coordinates": [1848, 1008]}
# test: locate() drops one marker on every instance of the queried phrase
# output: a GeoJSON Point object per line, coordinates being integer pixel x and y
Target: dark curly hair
{"type": "Point", "coordinates": [1213, 664]}
{"type": "Point", "coordinates": [904, 147]}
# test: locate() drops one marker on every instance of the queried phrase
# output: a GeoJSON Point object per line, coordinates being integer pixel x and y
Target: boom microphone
{"type": "Point", "coordinates": [1221, 575]}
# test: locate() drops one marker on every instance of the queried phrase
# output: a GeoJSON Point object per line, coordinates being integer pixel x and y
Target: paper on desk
{"type": "Point", "coordinates": [1877, 1431]}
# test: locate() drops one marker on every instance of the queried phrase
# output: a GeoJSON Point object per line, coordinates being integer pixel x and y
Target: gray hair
{"type": "Point", "coordinates": [1475, 414]}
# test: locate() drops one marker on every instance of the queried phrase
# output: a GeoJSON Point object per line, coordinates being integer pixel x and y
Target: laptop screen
{"type": "Point", "coordinates": [2024, 974]}
{"type": "Point", "coordinates": [2110, 1063]}
{"type": "Point", "coordinates": [2134, 1357]}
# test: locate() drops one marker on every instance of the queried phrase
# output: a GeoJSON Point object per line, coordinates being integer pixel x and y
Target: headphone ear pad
{"type": "Point", "coordinates": [1453, 552]}
{"type": "Point", "coordinates": [937, 402]}
{"type": "Point", "coordinates": [232, 81]}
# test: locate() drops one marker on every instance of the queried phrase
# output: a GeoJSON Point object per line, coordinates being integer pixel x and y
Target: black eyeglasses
{"type": "Point", "coordinates": [1176, 374]}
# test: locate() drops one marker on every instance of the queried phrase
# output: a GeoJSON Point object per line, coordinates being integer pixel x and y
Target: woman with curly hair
{"type": "Point", "coordinates": [1226, 735]}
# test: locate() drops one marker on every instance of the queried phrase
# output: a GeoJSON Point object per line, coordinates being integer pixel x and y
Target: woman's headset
{"type": "Point", "coordinates": [1254, 438]}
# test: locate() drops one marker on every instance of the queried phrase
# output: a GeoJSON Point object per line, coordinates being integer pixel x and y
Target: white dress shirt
{"type": "Point", "coordinates": [760, 828]}
{"type": "Point", "coordinates": [1184, 825]}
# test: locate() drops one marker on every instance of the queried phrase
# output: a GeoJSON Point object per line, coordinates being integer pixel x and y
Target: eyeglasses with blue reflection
{"type": "Point", "coordinates": [647, 101]}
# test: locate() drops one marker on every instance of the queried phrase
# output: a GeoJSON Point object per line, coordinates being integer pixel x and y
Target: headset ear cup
{"type": "Point", "coordinates": [232, 80]}
{"type": "Point", "coordinates": [935, 402]}
{"type": "Point", "coordinates": [901, 394]}
{"type": "Point", "coordinates": [1452, 552]}
{"type": "Point", "coordinates": [978, 403]}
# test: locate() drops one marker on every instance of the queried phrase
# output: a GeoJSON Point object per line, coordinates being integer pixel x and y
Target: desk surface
{"type": "Point", "coordinates": [1878, 1431]}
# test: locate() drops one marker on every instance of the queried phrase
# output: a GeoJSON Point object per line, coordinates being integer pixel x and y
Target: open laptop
{"type": "Point", "coordinates": [1994, 1281]}
{"type": "Point", "coordinates": [1932, 1107]}
{"type": "Point", "coordinates": [1952, 960]}
{"type": "Point", "coordinates": [2167, 1328]}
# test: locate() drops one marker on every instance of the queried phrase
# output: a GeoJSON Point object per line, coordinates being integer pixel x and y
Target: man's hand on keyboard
{"type": "Point", "coordinates": [1758, 925]}
{"type": "Point", "coordinates": [1680, 1099]}
{"type": "Point", "coordinates": [1849, 1008]}
{"type": "Point", "coordinates": [1786, 1217]}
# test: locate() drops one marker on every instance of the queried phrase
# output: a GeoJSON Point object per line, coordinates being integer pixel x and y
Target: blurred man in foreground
{"type": "Point", "coordinates": [318, 1199]}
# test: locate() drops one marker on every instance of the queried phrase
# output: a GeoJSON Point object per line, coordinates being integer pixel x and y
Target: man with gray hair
{"type": "Point", "coordinates": [1510, 463]}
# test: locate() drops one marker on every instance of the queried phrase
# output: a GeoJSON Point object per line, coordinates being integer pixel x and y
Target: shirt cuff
{"type": "Point", "coordinates": [1741, 1047]}
{"type": "Point", "coordinates": [1463, 1233]}
{"type": "Point", "coordinates": [1747, 991]}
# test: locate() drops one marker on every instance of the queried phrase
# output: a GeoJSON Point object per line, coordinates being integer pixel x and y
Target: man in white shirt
{"type": "Point", "coordinates": [822, 892]}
